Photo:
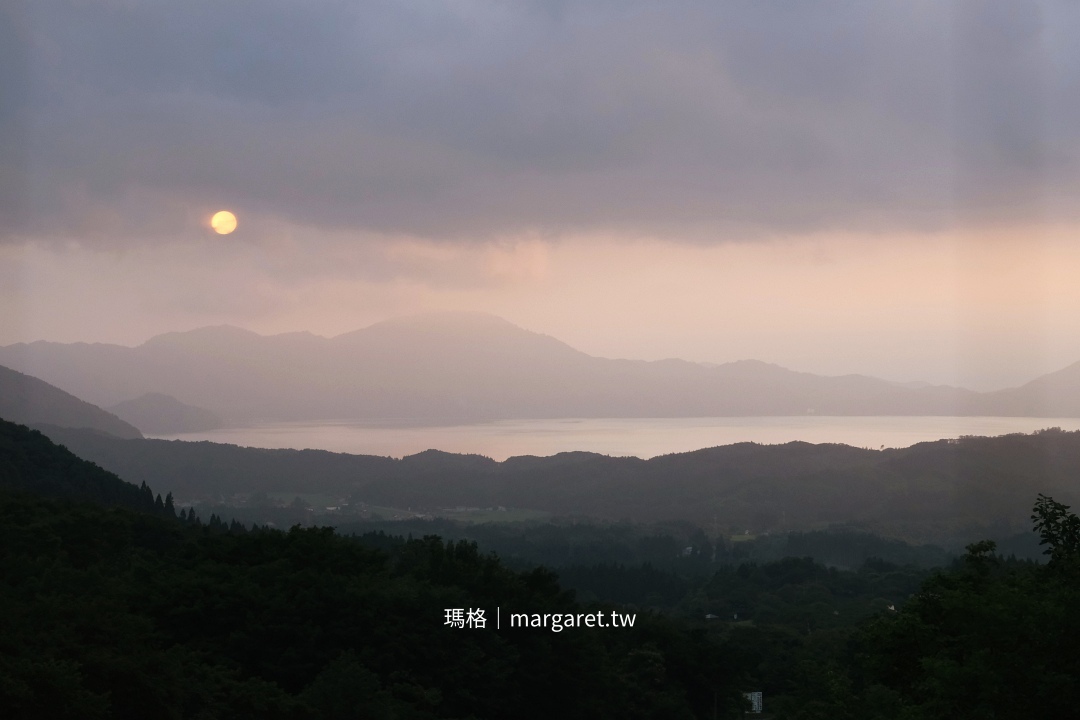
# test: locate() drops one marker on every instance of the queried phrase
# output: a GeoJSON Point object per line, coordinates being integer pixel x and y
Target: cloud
{"type": "Point", "coordinates": [131, 119]}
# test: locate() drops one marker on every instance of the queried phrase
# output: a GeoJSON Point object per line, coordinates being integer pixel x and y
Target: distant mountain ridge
{"type": "Point", "coordinates": [160, 414]}
{"type": "Point", "coordinates": [460, 367]}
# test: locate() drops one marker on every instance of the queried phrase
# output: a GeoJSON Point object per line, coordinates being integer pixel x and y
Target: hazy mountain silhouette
{"type": "Point", "coordinates": [1056, 394]}
{"type": "Point", "coordinates": [462, 366]}
{"type": "Point", "coordinates": [27, 400]}
{"type": "Point", "coordinates": [160, 414]}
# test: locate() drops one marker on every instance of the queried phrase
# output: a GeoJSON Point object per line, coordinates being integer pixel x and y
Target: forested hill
{"type": "Point", "coordinates": [110, 613]}
{"type": "Point", "coordinates": [928, 492]}
{"type": "Point", "coordinates": [31, 463]}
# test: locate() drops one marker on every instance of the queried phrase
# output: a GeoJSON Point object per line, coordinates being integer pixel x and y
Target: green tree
{"type": "Point", "coordinates": [1058, 528]}
{"type": "Point", "coordinates": [990, 638]}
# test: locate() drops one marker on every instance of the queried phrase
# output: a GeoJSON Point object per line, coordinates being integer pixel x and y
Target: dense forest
{"type": "Point", "coordinates": [114, 604]}
{"type": "Point", "coordinates": [114, 608]}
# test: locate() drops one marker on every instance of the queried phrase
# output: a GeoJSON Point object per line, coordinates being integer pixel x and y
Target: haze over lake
{"type": "Point", "coordinates": [640, 437]}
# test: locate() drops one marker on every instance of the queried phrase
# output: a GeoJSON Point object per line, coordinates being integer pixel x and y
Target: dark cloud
{"type": "Point", "coordinates": [131, 118]}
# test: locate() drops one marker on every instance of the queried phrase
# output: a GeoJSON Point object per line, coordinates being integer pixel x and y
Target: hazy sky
{"type": "Point", "coordinates": [887, 187]}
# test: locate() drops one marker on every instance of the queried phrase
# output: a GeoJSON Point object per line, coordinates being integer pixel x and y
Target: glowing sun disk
{"type": "Point", "coordinates": [223, 222]}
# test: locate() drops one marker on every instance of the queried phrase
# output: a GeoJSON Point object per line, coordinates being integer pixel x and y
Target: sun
{"type": "Point", "coordinates": [223, 222]}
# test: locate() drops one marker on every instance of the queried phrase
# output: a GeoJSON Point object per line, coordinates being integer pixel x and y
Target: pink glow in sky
{"type": "Point", "coordinates": [885, 188]}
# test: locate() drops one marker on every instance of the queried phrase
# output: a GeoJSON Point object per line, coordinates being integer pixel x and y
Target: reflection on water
{"type": "Point", "coordinates": [642, 437]}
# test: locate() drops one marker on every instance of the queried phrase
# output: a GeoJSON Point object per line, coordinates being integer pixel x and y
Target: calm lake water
{"type": "Point", "coordinates": [641, 437]}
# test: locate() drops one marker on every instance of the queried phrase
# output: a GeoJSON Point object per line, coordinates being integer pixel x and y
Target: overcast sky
{"type": "Point", "coordinates": [888, 187]}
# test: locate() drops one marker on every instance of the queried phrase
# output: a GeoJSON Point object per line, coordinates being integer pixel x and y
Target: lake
{"type": "Point", "coordinates": [641, 437]}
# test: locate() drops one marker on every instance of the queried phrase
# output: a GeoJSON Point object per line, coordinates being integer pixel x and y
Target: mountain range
{"type": "Point", "coordinates": [461, 367]}
{"type": "Point", "coordinates": [942, 491]}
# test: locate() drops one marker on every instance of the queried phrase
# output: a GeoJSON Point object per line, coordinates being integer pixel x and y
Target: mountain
{"type": "Point", "coordinates": [459, 367]}
{"type": "Point", "coordinates": [934, 491]}
{"type": "Point", "coordinates": [30, 401]}
{"type": "Point", "coordinates": [160, 414]}
{"type": "Point", "coordinates": [1056, 394]}
{"type": "Point", "coordinates": [31, 463]}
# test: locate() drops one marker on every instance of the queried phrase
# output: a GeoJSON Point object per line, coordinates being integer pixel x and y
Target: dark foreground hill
{"type": "Point", "coordinates": [929, 492]}
{"type": "Point", "coordinates": [30, 401]}
{"type": "Point", "coordinates": [128, 613]}
{"type": "Point", "coordinates": [115, 613]}
{"type": "Point", "coordinates": [32, 463]}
